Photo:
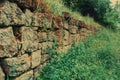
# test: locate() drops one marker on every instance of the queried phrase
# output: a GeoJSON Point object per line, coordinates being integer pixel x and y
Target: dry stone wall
{"type": "Point", "coordinates": [27, 38]}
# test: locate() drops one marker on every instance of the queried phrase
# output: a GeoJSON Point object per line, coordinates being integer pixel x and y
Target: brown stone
{"type": "Point", "coordinates": [17, 65]}
{"type": "Point", "coordinates": [43, 20]}
{"type": "Point", "coordinates": [8, 44]}
{"type": "Point", "coordinates": [33, 5]}
{"type": "Point", "coordinates": [44, 58]}
{"type": "Point", "coordinates": [59, 36]}
{"type": "Point", "coordinates": [73, 29]}
{"type": "Point", "coordinates": [26, 76]}
{"type": "Point", "coordinates": [45, 47]}
{"type": "Point", "coordinates": [57, 22]}
{"type": "Point", "coordinates": [66, 26]}
{"type": "Point", "coordinates": [11, 14]}
{"type": "Point", "coordinates": [29, 39]}
{"type": "Point", "coordinates": [42, 36]}
{"type": "Point", "coordinates": [63, 49]}
{"type": "Point", "coordinates": [36, 57]}
{"type": "Point", "coordinates": [65, 37]}
{"type": "Point", "coordinates": [72, 39]}
{"type": "Point", "coordinates": [2, 75]}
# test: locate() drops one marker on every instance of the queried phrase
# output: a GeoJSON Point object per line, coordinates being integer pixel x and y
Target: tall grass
{"type": "Point", "coordinates": [98, 58]}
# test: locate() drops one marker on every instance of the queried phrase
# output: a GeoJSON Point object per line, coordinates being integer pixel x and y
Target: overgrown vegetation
{"type": "Point", "coordinates": [100, 10]}
{"type": "Point", "coordinates": [97, 58]}
{"type": "Point", "coordinates": [57, 7]}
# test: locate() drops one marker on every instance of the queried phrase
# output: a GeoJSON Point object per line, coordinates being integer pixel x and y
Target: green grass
{"type": "Point", "coordinates": [57, 7]}
{"type": "Point", "coordinates": [98, 58]}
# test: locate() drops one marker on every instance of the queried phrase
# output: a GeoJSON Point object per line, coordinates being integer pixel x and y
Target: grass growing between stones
{"type": "Point", "coordinates": [97, 58]}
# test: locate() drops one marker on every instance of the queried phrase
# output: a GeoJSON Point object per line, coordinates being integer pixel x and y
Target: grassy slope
{"type": "Point", "coordinates": [98, 58]}
{"type": "Point", "coordinates": [57, 7]}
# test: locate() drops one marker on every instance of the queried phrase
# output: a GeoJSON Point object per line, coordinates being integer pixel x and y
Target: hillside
{"type": "Point", "coordinates": [47, 40]}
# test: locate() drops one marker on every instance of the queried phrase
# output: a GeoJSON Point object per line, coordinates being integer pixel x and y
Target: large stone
{"type": "Point", "coordinates": [42, 36]}
{"type": "Point", "coordinates": [8, 44]}
{"type": "Point", "coordinates": [73, 29]}
{"type": "Point", "coordinates": [59, 36]}
{"type": "Point", "coordinates": [29, 39]}
{"type": "Point", "coordinates": [17, 65]}
{"type": "Point", "coordinates": [66, 26]}
{"type": "Point", "coordinates": [45, 47]}
{"type": "Point", "coordinates": [43, 20]}
{"type": "Point", "coordinates": [44, 58]}
{"type": "Point", "coordinates": [35, 57]}
{"type": "Point", "coordinates": [72, 39]}
{"type": "Point", "coordinates": [57, 22]}
{"type": "Point", "coordinates": [11, 14]}
{"type": "Point", "coordinates": [2, 75]}
{"type": "Point", "coordinates": [26, 76]}
{"type": "Point", "coordinates": [31, 4]}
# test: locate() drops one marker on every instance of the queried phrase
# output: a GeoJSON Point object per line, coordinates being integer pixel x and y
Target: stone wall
{"type": "Point", "coordinates": [28, 38]}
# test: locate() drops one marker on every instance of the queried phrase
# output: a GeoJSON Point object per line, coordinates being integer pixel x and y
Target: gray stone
{"type": "Point", "coordinates": [17, 65]}
{"type": "Point", "coordinates": [29, 39]}
{"type": "Point", "coordinates": [8, 44]}
{"type": "Point", "coordinates": [2, 75]}
{"type": "Point", "coordinates": [35, 58]}
{"type": "Point", "coordinates": [26, 76]}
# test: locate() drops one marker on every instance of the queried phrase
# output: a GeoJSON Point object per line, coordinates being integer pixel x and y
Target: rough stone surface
{"type": "Point", "coordinates": [44, 58]}
{"type": "Point", "coordinates": [16, 66]}
{"type": "Point", "coordinates": [42, 36]}
{"type": "Point", "coordinates": [57, 22]}
{"type": "Point", "coordinates": [36, 57]}
{"type": "Point", "coordinates": [66, 35]}
{"type": "Point", "coordinates": [29, 39]}
{"type": "Point", "coordinates": [2, 75]}
{"type": "Point", "coordinates": [73, 29]}
{"type": "Point", "coordinates": [59, 36]}
{"type": "Point", "coordinates": [45, 47]}
{"type": "Point", "coordinates": [8, 45]}
{"type": "Point", "coordinates": [11, 14]}
{"type": "Point", "coordinates": [42, 20]}
{"type": "Point", "coordinates": [63, 49]}
{"type": "Point", "coordinates": [25, 47]}
{"type": "Point", "coordinates": [72, 39]}
{"type": "Point", "coordinates": [26, 76]}
{"type": "Point", "coordinates": [66, 26]}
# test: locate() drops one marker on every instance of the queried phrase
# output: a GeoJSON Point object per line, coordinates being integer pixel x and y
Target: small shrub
{"type": "Point", "coordinates": [112, 17]}
{"type": "Point", "coordinates": [95, 8]}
